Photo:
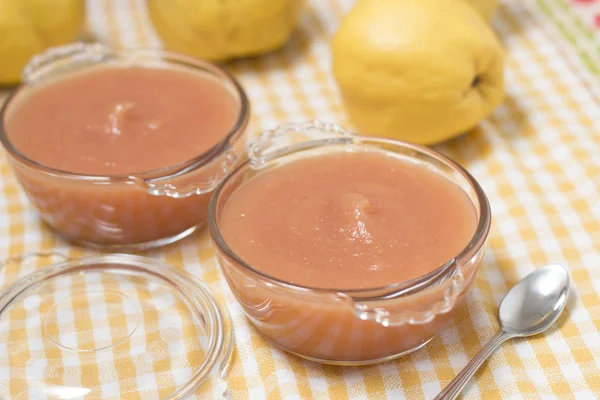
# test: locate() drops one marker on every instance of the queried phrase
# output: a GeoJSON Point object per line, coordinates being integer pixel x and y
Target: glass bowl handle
{"type": "Point", "coordinates": [78, 52]}
{"type": "Point", "coordinates": [273, 143]}
{"type": "Point", "coordinates": [167, 187]}
{"type": "Point", "coordinates": [36, 254]}
{"type": "Point", "coordinates": [52, 257]}
{"type": "Point", "coordinates": [375, 309]}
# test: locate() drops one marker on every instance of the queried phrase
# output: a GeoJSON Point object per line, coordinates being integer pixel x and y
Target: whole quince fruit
{"type": "Point", "coordinates": [28, 27]}
{"type": "Point", "coordinates": [485, 8]}
{"type": "Point", "coordinates": [418, 70]}
{"type": "Point", "coordinates": [219, 30]}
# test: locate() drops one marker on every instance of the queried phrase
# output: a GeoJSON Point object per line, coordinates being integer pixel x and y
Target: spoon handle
{"type": "Point", "coordinates": [457, 384]}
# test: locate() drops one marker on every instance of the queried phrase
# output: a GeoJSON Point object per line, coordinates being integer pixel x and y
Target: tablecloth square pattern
{"type": "Point", "coordinates": [536, 157]}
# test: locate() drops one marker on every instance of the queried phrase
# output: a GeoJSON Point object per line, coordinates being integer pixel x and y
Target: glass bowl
{"type": "Point", "coordinates": [133, 211]}
{"type": "Point", "coordinates": [347, 327]}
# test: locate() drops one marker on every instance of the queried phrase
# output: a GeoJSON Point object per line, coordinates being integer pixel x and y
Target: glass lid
{"type": "Point", "coordinates": [112, 327]}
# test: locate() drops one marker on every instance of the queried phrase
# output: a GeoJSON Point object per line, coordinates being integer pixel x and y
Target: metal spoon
{"type": "Point", "coordinates": [529, 308]}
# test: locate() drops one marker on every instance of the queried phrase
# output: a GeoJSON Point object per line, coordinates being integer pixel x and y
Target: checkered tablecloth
{"type": "Point", "coordinates": [537, 157]}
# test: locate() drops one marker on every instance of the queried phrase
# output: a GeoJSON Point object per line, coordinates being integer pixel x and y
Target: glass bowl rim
{"type": "Point", "coordinates": [171, 58]}
{"type": "Point", "coordinates": [476, 244]}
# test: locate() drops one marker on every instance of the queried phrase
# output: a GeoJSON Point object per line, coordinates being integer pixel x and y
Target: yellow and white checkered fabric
{"type": "Point", "coordinates": [537, 158]}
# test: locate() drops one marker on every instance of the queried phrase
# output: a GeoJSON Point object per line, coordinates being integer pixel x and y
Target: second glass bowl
{"type": "Point", "coordinates": [348, 327]}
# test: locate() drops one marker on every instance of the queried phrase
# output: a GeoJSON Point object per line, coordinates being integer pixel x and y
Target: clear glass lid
{"type": "Point", "coordinates": [112, 327]}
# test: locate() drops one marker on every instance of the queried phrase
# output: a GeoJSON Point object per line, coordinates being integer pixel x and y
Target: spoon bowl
{"type": "Point", "coordinates": [535, 302]}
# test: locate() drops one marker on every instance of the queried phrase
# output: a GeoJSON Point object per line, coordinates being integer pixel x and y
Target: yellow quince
{"type": "Point", "coordinates": [419, 70]}
{"type": "Point", "coordinates": [485, 8]}
{"type": "Point", "coordinates": [220, 30]}
{"type": "Point", "coordinates": [28, 27]}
